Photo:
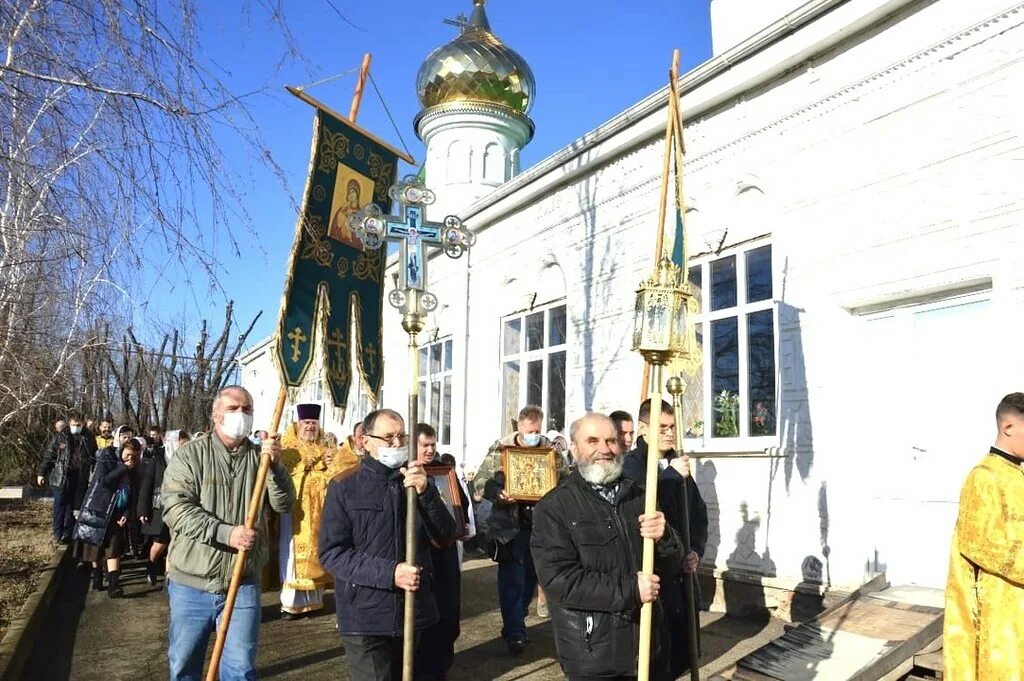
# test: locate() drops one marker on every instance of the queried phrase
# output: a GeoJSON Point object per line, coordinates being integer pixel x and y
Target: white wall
{"type": "Point", "coordinates": [885, 170]}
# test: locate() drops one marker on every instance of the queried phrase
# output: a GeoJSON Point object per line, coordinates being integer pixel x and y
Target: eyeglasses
{"type": "Point", "coordinates": [399, 439]}
{"type": "Point", "coordinates": [664, 430]}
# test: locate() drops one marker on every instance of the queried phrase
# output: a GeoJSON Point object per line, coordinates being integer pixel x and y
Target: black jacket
{"type": "Point", "coordinates": [670, 484]}
{"type": "Point", "coordinates": [362, 539]}
{"type": "Point", "coordinates": [66, 452]}
{"type": "Point", "coordinates": [98, 508]}
{"type": "Point", "coordinates": [153, 466]}
{"type": "Point", "coordinates": [587, 553]}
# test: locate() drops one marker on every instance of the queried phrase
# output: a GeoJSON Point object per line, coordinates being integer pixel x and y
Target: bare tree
{"type": "Point", "coordinates": [108, 150]}
{"type": "Point", "coordinates": [166, 387]}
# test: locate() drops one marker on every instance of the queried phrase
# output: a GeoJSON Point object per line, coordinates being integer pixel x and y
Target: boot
{"type": "Point", "coordinates": [97, 579]}
{"type": "Point", "coordinates": [114, 589]}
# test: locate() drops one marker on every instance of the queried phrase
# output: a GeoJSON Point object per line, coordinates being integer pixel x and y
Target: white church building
{"type": "Point", "coordinates": [855, 220]}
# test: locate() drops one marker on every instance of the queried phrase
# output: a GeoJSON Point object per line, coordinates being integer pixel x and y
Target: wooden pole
{"type": "Point", "coordinates": [409, 624]}
{"type": "Point", "coordinates": [659, 241]}
{"type": "Point", "coordinates": [676, 387]}
{"type": "Point", "coordinates": [255, 502]}
{"type": "Point", "coordinates": [357, 96]}
{"type": "Point", "coordinates": [650, 506]}
{"type": "Point", "coordinates": [680, 153]}
{"type": "Point", "coordinates": [666, 168]}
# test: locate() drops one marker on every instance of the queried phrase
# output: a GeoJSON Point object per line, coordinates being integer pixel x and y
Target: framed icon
{"type": "Point", "coordinates": [447, 483]}
{"type": "Point", "coordinates": [530, 472]}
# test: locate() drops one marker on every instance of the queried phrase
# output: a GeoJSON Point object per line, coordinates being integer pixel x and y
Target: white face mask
{"type": "Point", "coordinates": [236, 424]}
{"type": "Point", "coordinates": [76, 430]}
{"type": "Point", "coordinates": [531, 439]}
{"type": "Point", "coordinates": [392, 457]}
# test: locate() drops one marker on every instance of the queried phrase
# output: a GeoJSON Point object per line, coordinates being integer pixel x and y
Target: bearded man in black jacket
{"type": "Point", "coordinates": [587, 545]}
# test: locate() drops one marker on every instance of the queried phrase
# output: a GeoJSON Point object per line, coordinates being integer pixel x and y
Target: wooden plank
{"type": "Point", "coordinates": [901, 671]}
{"type": "Point", "coordinates": [863, 639]}
{"type": "Point", "coordinates": [899, 653]}
{"type": "Point", "coordinates": [930, 661]}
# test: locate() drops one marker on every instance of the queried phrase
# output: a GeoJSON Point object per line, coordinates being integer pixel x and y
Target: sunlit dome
{"type": "Point", "coordinates": [476, 67]}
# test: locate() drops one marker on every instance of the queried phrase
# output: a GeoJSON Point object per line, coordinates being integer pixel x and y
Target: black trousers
{"type": "Point", "coordinates": [374, 658]}
{"type": "Point", "coordinates": [601, 678]}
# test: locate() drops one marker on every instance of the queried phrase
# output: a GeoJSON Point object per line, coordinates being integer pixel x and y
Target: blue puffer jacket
{"type": "Point", "coordinates": [362, 540]}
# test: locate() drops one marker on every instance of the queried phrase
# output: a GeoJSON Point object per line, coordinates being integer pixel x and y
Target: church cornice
{"type": "Point", "coordinates": [878, 80]}
{"type": "Point", "coordinates": [559, 168]}
{"type": "Point", "coordinates": [471, 107]}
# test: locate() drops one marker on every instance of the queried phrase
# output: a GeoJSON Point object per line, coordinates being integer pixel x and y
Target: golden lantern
{"type": "Point", "coordinates": [659, 327]}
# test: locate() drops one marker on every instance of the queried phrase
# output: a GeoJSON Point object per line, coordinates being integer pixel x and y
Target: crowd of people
{"type": "Point", "coordinates": [333, 516]}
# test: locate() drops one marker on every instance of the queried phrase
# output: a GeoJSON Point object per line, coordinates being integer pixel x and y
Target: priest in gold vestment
{"type": "Point", "coordinates": [312, 462]}
{"type": "Point", "coordinates": [983, 633]}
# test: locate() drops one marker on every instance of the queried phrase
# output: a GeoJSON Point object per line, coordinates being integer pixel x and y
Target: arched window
{"type": "Point", "coordinates": [494, 164]}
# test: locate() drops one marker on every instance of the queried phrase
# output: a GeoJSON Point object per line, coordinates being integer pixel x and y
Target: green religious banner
{"type": "Point", "coordinates": [329, 269]}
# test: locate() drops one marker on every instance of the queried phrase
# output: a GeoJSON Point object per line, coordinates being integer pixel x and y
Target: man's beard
{"type": "Point", "coordinates": [601, 473]}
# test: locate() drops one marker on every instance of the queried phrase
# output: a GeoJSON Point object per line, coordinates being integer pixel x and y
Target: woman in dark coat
{"type": "Point", "coordinates": [149, 509]}
{"type": "Point", "coordinates": [107, 510]}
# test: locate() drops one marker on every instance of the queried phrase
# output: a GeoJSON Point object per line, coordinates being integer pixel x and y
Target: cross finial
{"type": "Point", "coordinates": [461, 21]}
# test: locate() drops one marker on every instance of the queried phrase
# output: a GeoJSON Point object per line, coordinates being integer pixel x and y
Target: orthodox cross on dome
{"type": "Point", "coordinates": [461, 21]}
{"type": "Point", "coordinates": [413, 233]}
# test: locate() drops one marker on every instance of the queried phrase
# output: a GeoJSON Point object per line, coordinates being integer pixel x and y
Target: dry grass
{"type": "Point", "coordinates": [25, 548]}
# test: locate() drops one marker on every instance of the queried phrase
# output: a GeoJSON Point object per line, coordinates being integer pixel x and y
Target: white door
{"type": "Point", "coordinates": [933, 394]}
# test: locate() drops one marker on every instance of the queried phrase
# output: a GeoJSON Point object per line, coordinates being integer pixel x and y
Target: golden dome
{"type": "Point", "coordinates": [476, 67]}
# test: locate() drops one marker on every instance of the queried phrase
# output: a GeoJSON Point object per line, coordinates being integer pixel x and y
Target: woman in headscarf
{"type": "Point", "coordinates": [108, 508]}
{"type": "Point", "coordinates": [149, 509]}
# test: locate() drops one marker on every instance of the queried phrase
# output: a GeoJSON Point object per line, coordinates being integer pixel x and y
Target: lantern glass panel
{"type": "Point", "coordinates": [679, 322]}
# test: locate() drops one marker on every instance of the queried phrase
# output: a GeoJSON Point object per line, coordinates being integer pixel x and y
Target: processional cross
{"type": "Point", "coordinates": [413, 233]}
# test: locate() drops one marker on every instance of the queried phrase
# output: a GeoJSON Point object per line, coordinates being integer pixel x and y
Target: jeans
{"type": "Point", "coordinates": [63, 510]}
{"type": "Point", "coordinates": [195, 615]}
{"type": "Point", "coordinates": [517, 580]}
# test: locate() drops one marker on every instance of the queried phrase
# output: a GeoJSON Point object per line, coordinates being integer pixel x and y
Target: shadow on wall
{"type": "Point", "coordinates": [808, 600]}
{"type": "Point", "coordinates": [586, 197]}
{"type": "Point", "coordinates": [795, 426]}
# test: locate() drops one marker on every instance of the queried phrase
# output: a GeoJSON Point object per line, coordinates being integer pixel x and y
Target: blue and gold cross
{"type": "Point", "coordinates": [413, 232]}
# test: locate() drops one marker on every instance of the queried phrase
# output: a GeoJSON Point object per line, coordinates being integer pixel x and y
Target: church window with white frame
{"type": "Point", "coordinates": [736, 334]}
{"type": "Point", "coordinates": [435, 377]}
{"type": "Point", "coordinates": [533, 354]}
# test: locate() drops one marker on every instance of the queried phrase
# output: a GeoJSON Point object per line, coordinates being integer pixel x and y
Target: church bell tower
{"type": "Point", "coordinates": [476, 93]}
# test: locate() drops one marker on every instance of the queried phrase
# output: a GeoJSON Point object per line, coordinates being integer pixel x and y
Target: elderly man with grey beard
{"type": "Point", "coordinates": [587, 544]}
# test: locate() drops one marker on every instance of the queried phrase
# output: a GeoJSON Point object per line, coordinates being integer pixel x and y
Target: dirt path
{"type": "Point", "coordinates": [92, 638]}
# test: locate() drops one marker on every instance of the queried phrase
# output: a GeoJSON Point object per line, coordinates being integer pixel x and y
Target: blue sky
{"type": "Point", "coordinates": [591, 60]}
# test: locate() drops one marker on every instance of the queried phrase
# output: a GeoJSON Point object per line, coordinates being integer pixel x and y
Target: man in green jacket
{"type": "Point", "coordinates": [205, 496]}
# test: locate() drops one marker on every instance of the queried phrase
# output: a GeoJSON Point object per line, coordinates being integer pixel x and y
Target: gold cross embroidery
{"type": "Point", "coordinates": [297, 338]}
{"type": "Point", "coordinates": [337, 343]}
{"type": "Point", "coordinates": [370, 358]}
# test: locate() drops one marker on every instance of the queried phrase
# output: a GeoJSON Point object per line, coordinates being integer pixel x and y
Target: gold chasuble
{"type": "Point", "coordinates": [983, 634]}
{"type": "Point", "coordinates": [305, 462]}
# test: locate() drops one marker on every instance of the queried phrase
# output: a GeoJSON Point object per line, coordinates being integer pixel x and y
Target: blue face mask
{"type": "Point", "coordinates": [531, 439]}
{"type": "Point", "coordinates": [256, 441]}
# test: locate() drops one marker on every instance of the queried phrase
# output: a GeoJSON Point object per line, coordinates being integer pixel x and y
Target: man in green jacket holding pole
{"type": "Point", "coordinates": [205, 496]}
